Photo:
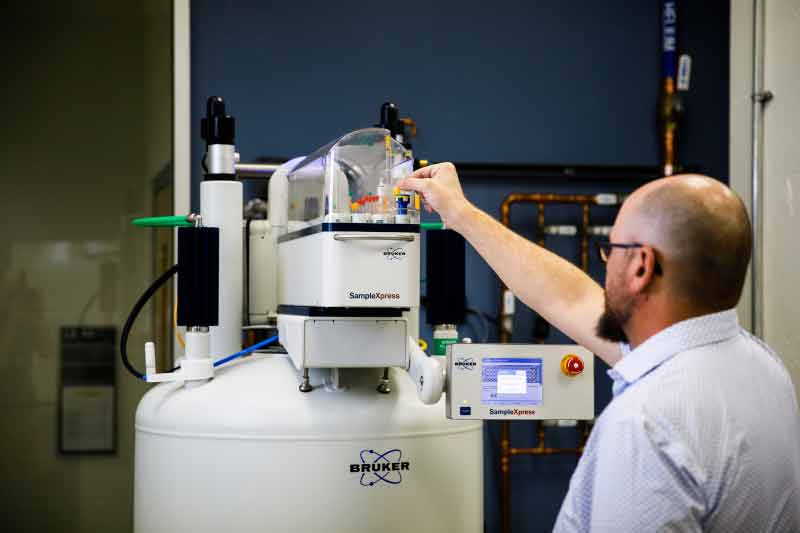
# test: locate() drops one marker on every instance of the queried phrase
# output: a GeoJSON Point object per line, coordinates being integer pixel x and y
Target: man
{"type": "Point", "coordinates": [703, 431]}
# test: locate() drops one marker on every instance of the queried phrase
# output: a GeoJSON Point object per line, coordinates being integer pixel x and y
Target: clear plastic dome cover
{"type": "Point", "coordinates": [353, 179]}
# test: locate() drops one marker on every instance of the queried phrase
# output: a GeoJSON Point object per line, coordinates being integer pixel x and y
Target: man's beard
{"type": "Point", "coordinates": [609, 325]}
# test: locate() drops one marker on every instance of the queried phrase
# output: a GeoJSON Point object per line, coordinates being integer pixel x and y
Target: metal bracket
{"type": "Point", "coordinates": [763, 97]}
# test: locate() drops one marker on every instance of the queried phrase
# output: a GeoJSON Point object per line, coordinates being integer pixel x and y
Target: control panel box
{"type": "Point", "coordinates": [519, 382]}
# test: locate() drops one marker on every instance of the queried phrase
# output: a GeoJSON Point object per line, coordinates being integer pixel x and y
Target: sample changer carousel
{"type": "Point", "coordinates": [348, 430]}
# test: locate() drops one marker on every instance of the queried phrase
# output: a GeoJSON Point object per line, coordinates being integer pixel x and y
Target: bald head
{"type": "Point", "coordinates": [702, 232]}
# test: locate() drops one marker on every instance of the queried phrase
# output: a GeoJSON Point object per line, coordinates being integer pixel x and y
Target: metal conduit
{"type": "Point", "coordinates": [256, 170]}
{"type": "Point", "coordinates": [760, 98]}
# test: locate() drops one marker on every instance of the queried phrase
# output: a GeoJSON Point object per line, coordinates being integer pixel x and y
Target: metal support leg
{"type": "Point", "coordinates": [383, 386]}
{"type": "Point", "coordinates": [305, 386]}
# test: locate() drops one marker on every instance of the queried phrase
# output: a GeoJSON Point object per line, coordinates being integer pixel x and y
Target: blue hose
{"type": "Point", "coordinates": [246, 351]}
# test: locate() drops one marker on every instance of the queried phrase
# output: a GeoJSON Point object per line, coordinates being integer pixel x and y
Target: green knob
{"type": "Point", "coordinates": [432, 225]}
{"type": "Point", "coordinates": [163, 222]}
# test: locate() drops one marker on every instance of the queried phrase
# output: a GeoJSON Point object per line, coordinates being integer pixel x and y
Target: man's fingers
{"type": "Point", "coordinates": [413, 184]}
{"type": "Point", "coordinates": [424, 172]}
{"type": "Point", "coordinates": [431, 170]}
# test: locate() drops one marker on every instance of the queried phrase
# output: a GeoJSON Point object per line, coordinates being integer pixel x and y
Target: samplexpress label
{"type": "Point", "coordinates": [373, 296]}
{"type": "Point", "coordinates": [511, 412]}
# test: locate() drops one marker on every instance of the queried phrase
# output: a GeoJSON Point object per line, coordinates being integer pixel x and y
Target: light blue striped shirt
{"type": "Point", "coordinates": [703, 434]}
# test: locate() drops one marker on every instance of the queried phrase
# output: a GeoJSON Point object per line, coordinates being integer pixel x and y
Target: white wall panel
{"type": "Point", "coordinates": [781, 164]}
{"type": "Point", "coordinates": [782, 182]}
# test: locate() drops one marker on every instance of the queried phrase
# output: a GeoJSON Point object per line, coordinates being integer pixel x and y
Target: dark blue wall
{"type": "Point", "coordinates": [571, 82]}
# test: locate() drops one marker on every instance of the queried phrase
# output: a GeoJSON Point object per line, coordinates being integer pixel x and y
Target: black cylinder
{"type": "Point", "coordinates": [218, 127]}
{"type": "Point", "coordinates": [198, 277]}
{"type": "Point", "coordinates": [390, 118]}
{"type": "Point", "coordinates": [445, 277]}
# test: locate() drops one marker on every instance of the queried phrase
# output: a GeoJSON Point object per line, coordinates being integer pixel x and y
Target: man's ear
{"type": "Point", "coordinates": [643, 266]}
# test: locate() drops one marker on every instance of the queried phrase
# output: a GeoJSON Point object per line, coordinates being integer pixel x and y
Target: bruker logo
{"type": "Point", "coordinates": [376, 467]}
{"type": "Point", "coordinates": [394, 254]}
{"type": "Point", "coordinates": [465, 363]}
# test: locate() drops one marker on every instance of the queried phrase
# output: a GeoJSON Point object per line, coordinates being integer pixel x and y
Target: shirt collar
{"type": "Point", "coordinates": [680, 337]}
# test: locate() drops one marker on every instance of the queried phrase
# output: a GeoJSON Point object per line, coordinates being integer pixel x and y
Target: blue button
{"type": "Point", "coordinates": [465, 411]}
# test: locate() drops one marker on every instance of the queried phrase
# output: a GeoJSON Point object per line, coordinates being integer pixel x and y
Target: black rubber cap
{"type": "Point", "coordinates": [390, 118]}
{"type": "Point", "coordinates": [218, 127]}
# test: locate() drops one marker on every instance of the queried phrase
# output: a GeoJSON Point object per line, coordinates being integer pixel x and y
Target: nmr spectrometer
{"type": "Point", "coordinates": [346, 431]}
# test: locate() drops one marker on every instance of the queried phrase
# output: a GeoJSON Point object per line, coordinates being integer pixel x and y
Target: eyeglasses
{"type": "Point", "coordinates": [604, 251]}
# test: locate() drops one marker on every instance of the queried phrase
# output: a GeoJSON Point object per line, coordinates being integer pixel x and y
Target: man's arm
{"type": "Point", "coordinates": [555, 288]}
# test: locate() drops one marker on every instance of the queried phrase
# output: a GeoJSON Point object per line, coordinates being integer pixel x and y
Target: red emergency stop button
{"type": "Point", "coordinates": [571, 365]}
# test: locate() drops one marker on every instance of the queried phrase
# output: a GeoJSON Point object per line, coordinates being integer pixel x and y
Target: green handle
{"type": "Point", "coordinates": [432, 225]}
{"type": "Point", "coordinates": [163, 222]}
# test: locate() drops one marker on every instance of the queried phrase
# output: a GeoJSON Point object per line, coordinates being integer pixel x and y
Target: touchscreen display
{"type": "Point", "coordinates": [511, 381]}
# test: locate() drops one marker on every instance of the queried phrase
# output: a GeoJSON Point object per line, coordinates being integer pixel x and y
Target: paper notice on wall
{"type": "Point", "coordinates": [87, 418]}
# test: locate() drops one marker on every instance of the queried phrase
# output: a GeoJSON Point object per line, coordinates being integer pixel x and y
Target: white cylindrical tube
{"type": "Point", "coordinates": [198, 345]}
{"type": "Point", "coordinates": [197, 367]}
{"type": "Point", "coordinates": [221, 207]}
{"type": "Point", "coordinates": [150, 358]}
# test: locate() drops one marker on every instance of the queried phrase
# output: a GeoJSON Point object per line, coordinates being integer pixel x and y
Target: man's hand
{"type": "Point", "coordinates": [441, 192]}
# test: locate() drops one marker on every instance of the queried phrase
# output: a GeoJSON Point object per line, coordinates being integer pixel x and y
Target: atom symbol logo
{"type": "Point", "coordinates": [394, 254]}
{"type": "Point", "coordinates": [466, 363]}
{"type": "Point", "coordinates": [380, 467]}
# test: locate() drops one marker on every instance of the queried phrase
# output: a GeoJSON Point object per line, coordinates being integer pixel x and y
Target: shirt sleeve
{"type": "Point", "coordinates": [633, 476]}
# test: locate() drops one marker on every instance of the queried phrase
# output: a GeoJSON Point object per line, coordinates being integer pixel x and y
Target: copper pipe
{"type": "Point", "coordinates": [412, 126]}
{"type": "Point", "coordinates": [541, 199]}
{"type": "Point", "coordinates": [585, 433]}
{"type": "Point", "coordinates": [669, 114]}
{"type": "Point", "coordinates": [505, 481]}
{"type": "Point", "coordinates": [543, 449]}
{"type": "Point", "coordinates": [540, 222]}
{"type": "Point", "coordinates": [506, 451]}
{"type": "Point", "coordinates": [585, 238]}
